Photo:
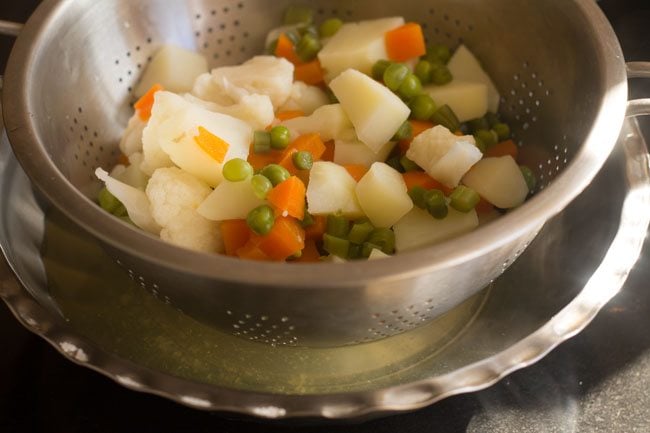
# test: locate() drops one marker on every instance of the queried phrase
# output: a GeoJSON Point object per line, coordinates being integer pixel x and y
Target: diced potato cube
{"type": "Point", "coordinates": [464, 66]}
{"type": "Point", "coordinates": [419, 229]}
{"type": "Point", "coordinates": [230, 201]}
{"type": "Point", "coordinates": [383, 196]}
{"type": "Point", "coordinates": [443, 155]}
{"type": "Point", "coordinates": [332, 189]}
{"type": "Point", "coordinates": [174, 68]}
{"type": "Point", "coordinates": [376, 254]}
{"type": "Point", "coordinates": [468, 100]}
{"type": "Point", "coordinates": [355, 152]}
{"type": "Point", "coordinates": [357, 46]}
{"type": "Point", "coordinates": [375, 111]}
{"type": "Point", "coordinates": [330, 121]}
{"type": "Point", "coordinates": [499, 181]}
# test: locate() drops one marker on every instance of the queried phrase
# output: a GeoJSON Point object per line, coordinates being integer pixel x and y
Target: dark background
{"type": "Point", "coordinates": [598, 381]}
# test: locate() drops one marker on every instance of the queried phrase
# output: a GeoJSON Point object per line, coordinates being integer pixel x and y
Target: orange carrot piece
{"type": "Point", "coordinates": [310, 253]}
{"type": "Point", "coordinates": [235, 234]}
{"type": "Point", "coordinates": [311, 143]}
{"type": "Point", "coordinates": [289, 197]}
{"type": "Point", "coordinates": [261, 160]}
{"type": "Point", "coordinates": [405, 42]}
{"type": "Point", "coordinates": [310, 73]}
{"type": "Point", "coordinates": [418, 127]}
{"type": "Point", "coordinates": [145, 103]}
{"type": "Point", "coordinates": [420, 178]}
{"type": "Point", "coordinates": [316, 230]}
{"type": "Point", "coordinates": [357, 171]}
{"type": "Point", "coordinates": [123, 160]}
{"type": "Point", "coordinates": [504, 148]}
{"type": "Point", "coordinates": [286, 49]}
{"type": "Point", "coordinates": [212, 145]}
{"type": "Point", "coordinates": [288, 115]}
{"type": "Point", "coordinates": [252, 251]}
{"type": "Point", "coordinates": [286, 238]}
{"type": "Point", "coordinates": [329, 151]}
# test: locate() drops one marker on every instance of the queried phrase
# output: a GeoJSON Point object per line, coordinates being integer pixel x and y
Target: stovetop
{"type": "Point", "coordinates": [597, 382]}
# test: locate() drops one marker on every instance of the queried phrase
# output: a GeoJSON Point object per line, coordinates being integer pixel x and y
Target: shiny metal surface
{"type": "Point", "coordinates": [112, 326]}
{"type": "Point", "coordinates": [565, 92]}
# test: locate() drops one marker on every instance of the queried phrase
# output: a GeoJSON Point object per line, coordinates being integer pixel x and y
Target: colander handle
{"type": "Point", "coordinates": [9, 28]}
{"type": "Point", "coordinates": [638, 107]}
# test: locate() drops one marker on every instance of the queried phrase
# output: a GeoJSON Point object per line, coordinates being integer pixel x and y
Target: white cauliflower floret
{"type": "Point", "coordinates": [190, 230]}
{"type": "Point", "coordinates": [262, 75]}
{"type": "Point", "coordinates": [330, 121]}
{"type": "Point", "coordinates": [131, 174]}
{"type": "Point", "coordinates": [132, 138]}
{"type": "Point", "coordinates": [174, 196]}
{"type": "Point", "coordinates": [256, 110]}
{"type": "Point", "coordinates": [305, 98]}
{"type": "Point", "coordinates": [161, 112]}
{"type": "Point", "coordinates": [443, 155]}
{"type": "Point", "coordinates": [134, 200]}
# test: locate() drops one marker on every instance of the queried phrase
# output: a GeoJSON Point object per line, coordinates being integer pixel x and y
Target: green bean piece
{"type": "Point", "coordinates": [331, 96]}
{"type": "Point", "coordinates": [384, 238]}
{"type": "Point", "coordinates": [423, 71]}
{"type": "Point", "coordinates": [409, 165]}
{"type": "Point", "coordinates": [355, 251]}
{"type": "Point", "coordinates": [446, 117]}
{"type": "Point", "coordinates": [280, 137]}
{"type": "Point", "coordinates": [273, 46]}
{"type": "Point", "coordinates": [410, 88]}
{"type": "Point", "coordinates": [275, 173]}
{"type": "Point", "coordinates": [121, 212]}
{"type": "Point", "coordinates": [338, 226]}
{"type": "Point", "coordinates": [395, 75]}
{"type": "Point", "coordinates": [330, 27]}
{"type": "Point", "coordinates": [359, 232]}
{"type": "Point", "coordinates": [336, 246]}
{"type": "Point", "coordinates": [296, 14]}
{"type": "Point", "coordinates": [308, 220]}
{"type": "Point", "coordinates": [261, 186]}
{"type": "Point", "coordinates": [488, 137]}
{"type": "Point", "coordinates": [478, 124]}
{"type": "Point", "coordinates": [441, 75]}
{"type": "Point", "coordinates": [529, 176]}
{"type": "Point", "coordinates": [417, 194]}
{"type": "Point", "coordinates": [436, 204]}
{"type": "Point", "coordinates": [261, 220]}
{"type": "Point", "coordinates": [309, 30]}
{"type": "Point", "coordinates": [237, 170]}
{"type": "Point", "coordinates": [502, 130]}
{"type": "Point", "coordinates": [261, 142]}
{"type": "Point", "coordinates": [303, 160]}
{"type": "Point", "coordinates": [110, 203]}
{"type": "Point", "coordinates": [438, 54]}
{"type": "Point", "coordinates": [366, 249]}
{"type": "Point", "coordinates": [464, 199]}
{"type": "Point", "coordinates": [308, 47]}
{"type": "Point", "coordinates": [480, 144]}
{"type": "Point", "coordinates": [405, 132]}
{"type": "Point", "coordinates": [395, 163]}
{"type": "Point", "coordinates": [379, 68]}
{"type": "Point", "coordinates": [492, 119]}
{"type": "Point", "coordinates": [422, 107]}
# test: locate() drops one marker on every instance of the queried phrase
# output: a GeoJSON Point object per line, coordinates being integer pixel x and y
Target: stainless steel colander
{"type": "Point", "coordinates": [67, 98]}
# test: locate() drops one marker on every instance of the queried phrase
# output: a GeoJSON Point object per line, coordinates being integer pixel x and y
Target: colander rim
{"type": "Point", "coordinates": [21, 129]}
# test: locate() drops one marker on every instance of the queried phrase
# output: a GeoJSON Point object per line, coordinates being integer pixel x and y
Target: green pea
{"type": "Point", "coordinates": [308, 47]}
{"type": "Point", "coordinates": [423, 71]}
{"type": "Point", "coordinates": [410, 88]}
{"type": "Point", "coordinates": [395, 163]}
{"type": "Point", "coordinates": [529, 176]}
{"type": "Point", "coordinates": [261, 186]}
{"type": "Point", "coordinates": [379, 68]}
{"type": "Point", "coordinates": [405, 132]}
{"type": "Point", "coordinates": [408, 164]}
{"type": "Point", "coordinates": [280, 137]}
{"type": "Point", "coordinates": [296, 14]}
{"type": "Point", "coordinates": [275, 173]}
{"type": "Point", "coordinates": [395, 75]}
{"type": "Point", "coordinates": [464, 199]}
{"type": "Point", "coordinates": [309, 30]}
{"type": "Point", "coordinates": [261, 142]}
{"type": "Point", "coordinates": [422, 107]}
{"type": "Point", "coordinates": [438, 53]}
{"type": "Point", "coordinates": [480, 144]}
{"type": "Point", "coordinates": [417, 194]}
{"type": "Point", "coordinates": [488, 137]}
{"type": "Point", "coordinates": [441, 75]}
{"type": "Point", "coordinates": [478, 124]}
{"type": "Point", "coordinates": [261, 220]}
{"type": "Point", "coordinates": [330, 27]}
{"type": "Point", "coordinates": [436, 203]}
{"type": "Point", "coordinates": [502, 130]}
{"type": "Point", "coordinates": [303, 160]}
{"type": "Point", "coordinates": [237, 170]}
{"type": "Point", "coordinates": [492, 119]}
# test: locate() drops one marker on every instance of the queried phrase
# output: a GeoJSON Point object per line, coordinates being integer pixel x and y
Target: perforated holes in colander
{"type": "Point", "coordinates": [89, 149]}
{"type": "Point", "coordinates": [399, 320]}
{"type": "Point", "coordinates": [263, 329]}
